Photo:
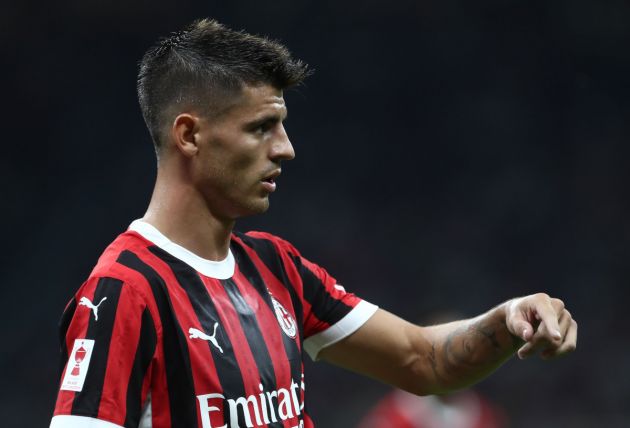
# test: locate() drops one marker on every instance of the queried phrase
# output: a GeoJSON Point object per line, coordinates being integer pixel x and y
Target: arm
{"type": "Point", "coordinates": [105, 391]}
{"type": "Point", "coordinates": [446, 357]}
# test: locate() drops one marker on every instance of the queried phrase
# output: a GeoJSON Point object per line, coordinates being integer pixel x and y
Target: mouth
{"type": "Point", "coordinates": [269, 181]}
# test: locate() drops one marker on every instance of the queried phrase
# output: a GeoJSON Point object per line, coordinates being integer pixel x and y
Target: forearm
{"type": "Point", "coordinates": [426, 360]}
{"type": "Point", "coordinates": [463, 352]}
{"type": "Point", "coordinates": [446, 357]}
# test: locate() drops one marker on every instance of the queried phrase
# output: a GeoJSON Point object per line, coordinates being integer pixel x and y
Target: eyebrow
{"type": "Point", "coordinates": [268, 117]}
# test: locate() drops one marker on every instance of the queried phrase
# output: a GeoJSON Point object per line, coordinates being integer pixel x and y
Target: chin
{"type": "Point", "coordinates": [254, 208]}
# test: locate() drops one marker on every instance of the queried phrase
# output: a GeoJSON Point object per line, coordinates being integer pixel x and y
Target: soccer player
{"type": "Point", "coordinates": [186, 323]}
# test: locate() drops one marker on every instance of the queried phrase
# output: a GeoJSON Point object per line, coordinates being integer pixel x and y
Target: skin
{"type": "Point", "coordinates": [446, 357]}
{"type": "Point", "coordinates": [211, 171]}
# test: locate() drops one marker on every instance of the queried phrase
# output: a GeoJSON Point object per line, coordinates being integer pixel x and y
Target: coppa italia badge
{"type": "Point", "coordinates": [78, 364]}
{"type": "Point", "coordinates": [285, 319]}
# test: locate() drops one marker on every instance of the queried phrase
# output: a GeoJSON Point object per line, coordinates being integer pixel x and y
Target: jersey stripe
{"type": "Point", "coordinates": [87, 401]}
{"type": "Point", "coordinates": [264, 251]}
{"type": "Point", "coordinates": [254, 276]}
{"type": "Point", "coordinates": [272, 266]}
{"type": "Point", "coordinates": [227, 368]}
{"type": "Point", "coordinates": [251, 329]}
{"type": "Point", "coordinates": [64, 324]}
{"type": "Point", "coordinates": [183, 413]}
{"type": "Point", "coordinates": [76, 329]}
{"type": "Point", "coordinates": [144, 353]}
{"type": "Point", "coordinates": [125, 340]}
{"type": "Point", "coordinates": [324, 306]}
{"type": "Point", "coordinates": [275, 340]}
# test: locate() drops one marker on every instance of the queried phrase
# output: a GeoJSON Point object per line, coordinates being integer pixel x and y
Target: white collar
{"type": "Point", "coordinates": [223, 269]}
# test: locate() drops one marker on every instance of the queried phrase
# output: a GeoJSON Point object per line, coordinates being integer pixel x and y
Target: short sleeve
{"type": "Point", "coordinates": [108, 341]}
{"type": "Point", "coordinates": [331, 313]}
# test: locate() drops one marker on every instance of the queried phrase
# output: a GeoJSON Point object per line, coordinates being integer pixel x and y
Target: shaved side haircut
{"type": "Point", "coordinates": [204, 66]}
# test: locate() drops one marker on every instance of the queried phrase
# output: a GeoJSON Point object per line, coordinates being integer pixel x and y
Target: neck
{"type": "Point", "coordinates": [179, 211]}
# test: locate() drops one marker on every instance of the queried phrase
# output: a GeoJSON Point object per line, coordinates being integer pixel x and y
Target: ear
{"type": "Point", "coordinates": [184, 131]}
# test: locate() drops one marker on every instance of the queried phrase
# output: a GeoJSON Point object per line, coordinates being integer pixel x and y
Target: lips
{"type": "Point", "coordinates": [271, 177]}
{"type": "Point", "coordinates": [269, 180]}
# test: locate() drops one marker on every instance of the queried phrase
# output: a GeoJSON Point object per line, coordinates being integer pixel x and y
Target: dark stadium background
{"type": "Point", "coordinates": [450, 154]}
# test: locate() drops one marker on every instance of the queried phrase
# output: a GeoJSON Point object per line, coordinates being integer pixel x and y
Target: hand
{"type": "Point", "coordinates": [543, 323]}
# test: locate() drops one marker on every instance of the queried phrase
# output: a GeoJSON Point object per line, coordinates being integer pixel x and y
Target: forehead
{"type": "Point", "coordinates": [258, 100]}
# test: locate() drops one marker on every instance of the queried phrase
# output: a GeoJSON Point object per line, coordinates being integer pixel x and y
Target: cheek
{"type": "Point", "coordinates": [232, 172]}
{"type": "Point", "coordinates": [232, 161]}
{"type": "Point", "coordinates": [242, 151]}
{"type": "Point", "coordinates": [242, 163]}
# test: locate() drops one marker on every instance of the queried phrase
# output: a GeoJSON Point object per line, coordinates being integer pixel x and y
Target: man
{"type": "Point", "coordinates": [185, 323]}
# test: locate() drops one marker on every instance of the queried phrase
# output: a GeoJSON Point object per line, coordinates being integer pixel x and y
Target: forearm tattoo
{"type": "Point", "coordinates": [471, 350]}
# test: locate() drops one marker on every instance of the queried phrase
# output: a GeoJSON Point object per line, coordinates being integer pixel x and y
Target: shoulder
{"type": "Point", "coordinates": [114, 265]}
{"type": "Point", "coordinates": [264, 241]}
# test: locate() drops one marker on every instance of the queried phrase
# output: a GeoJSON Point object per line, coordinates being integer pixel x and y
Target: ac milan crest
{"type": "Point", "coordinates": [285, 319]}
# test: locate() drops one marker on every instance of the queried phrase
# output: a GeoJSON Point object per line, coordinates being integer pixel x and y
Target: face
{"type": "Point", "coordinates": [240, 152]}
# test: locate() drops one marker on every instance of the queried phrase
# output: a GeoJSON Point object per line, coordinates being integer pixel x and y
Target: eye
{"type": "Point", "coordinates": [265, 126]}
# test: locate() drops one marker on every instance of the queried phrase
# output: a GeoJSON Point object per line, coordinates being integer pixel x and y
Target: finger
{"type": "Point", "coordinates": [537, 342]}
{"type": "Point", "coordinates": [517, 321]}
{"type": "Point", "coordinates": [570, 342]}
{"type": "Point", "coordinates": [526, 350]}
{"type": "Point", "coordinates": [558, 305]}
{"type": "Point", "coordinates": [568, 345]}
{"type": "Point", "coordinates": [553, 349]}
{"type": "Point", "coordinates": [523, 329]}
{"type": "Point", "coordinates": [550, 349]}
{"type": "Point", "coordinates": [548, 317]}
{"type": "Point", "coordinates": [565, 322]}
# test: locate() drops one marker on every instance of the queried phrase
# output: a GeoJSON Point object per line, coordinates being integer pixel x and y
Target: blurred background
{"type": "Point", "coordinates": [450, 154]}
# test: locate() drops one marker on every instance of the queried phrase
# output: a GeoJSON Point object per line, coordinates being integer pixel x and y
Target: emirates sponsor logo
{"type": "Point", "coordinates": [77, 366]}
{"type": "Point", "coordinates": [285, 319]}
{"type": "Point", "coordinates": [257, 410]}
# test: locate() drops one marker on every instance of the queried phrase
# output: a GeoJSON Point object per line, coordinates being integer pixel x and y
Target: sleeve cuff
{"type": "Point", "coordinates": [341, 329]}
{"type": "Point", "coordinates": [72, 421]}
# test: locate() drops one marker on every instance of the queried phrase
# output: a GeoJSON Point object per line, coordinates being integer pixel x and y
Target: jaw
{"type": "Point", "coordinates": [236, 208]}
{"type": "Point", "coordinates": [254, 207]}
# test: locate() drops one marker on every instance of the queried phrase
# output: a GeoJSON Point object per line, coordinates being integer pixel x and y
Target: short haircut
{"type": "Point", "coordinates": [203, 65]}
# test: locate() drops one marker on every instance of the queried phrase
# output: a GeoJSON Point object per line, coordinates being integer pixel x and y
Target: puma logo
{"type": "Point", "coordinates": [87, 302]}
{"type": "Point", "coordinates": [198, 334]}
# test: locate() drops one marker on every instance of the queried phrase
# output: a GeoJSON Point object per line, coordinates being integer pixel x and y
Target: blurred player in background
{"type": "Point", "coordinates": [461, 409]}
{"type": "Point", "coordinates": [186, 323]}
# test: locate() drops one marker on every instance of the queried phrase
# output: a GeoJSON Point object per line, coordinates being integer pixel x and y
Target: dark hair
{"type": "Point", "coordinates": [202, 65]}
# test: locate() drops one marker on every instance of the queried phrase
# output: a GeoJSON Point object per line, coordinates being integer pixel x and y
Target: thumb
{"type": "Point", "coordinates": [522, 328]}
{"type": "Point", "coordinates": [517, 323]}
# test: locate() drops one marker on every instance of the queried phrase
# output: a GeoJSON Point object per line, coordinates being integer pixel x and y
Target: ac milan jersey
{"type": "Point", "coordinates": [159, 337]}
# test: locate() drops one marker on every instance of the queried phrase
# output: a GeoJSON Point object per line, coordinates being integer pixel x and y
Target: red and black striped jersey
{"type": "Point", "coordinates": [159, 337]}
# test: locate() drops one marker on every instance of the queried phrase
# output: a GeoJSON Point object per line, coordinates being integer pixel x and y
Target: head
{"type": "Point", "coordinates": [212, 99]}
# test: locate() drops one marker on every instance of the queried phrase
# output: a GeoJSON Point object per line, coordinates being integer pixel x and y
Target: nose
{"type": "Point", "coordinates": [281, 148]}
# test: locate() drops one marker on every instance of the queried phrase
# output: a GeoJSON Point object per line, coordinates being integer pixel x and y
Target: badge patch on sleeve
{"type": "Point", "coordinates": [78, 364]}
